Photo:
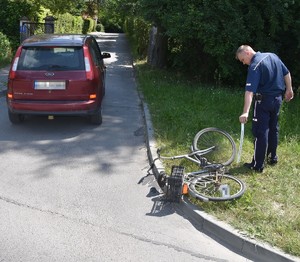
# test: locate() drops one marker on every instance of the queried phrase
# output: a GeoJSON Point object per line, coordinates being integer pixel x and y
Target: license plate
{"type": "Point", "coordinates": [49, 85]}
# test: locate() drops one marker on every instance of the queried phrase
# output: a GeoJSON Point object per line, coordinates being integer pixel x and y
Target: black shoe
{"type": "Point", "coordinates": [272, 161]}
{"type": "Point", "coordinates": [256, 169]}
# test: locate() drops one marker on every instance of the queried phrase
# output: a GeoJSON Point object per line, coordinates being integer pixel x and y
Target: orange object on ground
{"type": "Point", "coordinates": [185, 189]}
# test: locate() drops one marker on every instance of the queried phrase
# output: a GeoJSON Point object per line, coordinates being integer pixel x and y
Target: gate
{"type": "Point", "coordinates": [28, 28]}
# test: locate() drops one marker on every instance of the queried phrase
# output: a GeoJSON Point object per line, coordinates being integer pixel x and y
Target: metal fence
{"type": "Point", "coordinates": [28, 29]}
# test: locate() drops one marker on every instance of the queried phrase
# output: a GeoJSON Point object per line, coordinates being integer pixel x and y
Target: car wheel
{"type": "Point", "coordinates": [15, 118]}
{"type": "Point", "coordinates": [96, 119]}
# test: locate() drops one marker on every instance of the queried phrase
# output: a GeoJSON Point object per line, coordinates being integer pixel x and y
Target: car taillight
{"type": "Point", "coordinates": [9, 95]}
{"type": "Point", "coordinates": [88, 71]}
{"type": "Point", "coordinates": [93, 96]}
{"type": "Point", "coordinates": [13, 69]}
{"type": "Point", "coordinates": [87, 63]}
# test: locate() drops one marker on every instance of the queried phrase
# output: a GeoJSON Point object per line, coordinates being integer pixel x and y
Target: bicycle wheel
{"type": "Point", "coordinates": [223, 146]}
{"type": "Point", "coordinates": [208, 187]}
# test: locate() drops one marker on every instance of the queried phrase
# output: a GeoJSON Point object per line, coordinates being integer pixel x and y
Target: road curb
{"type": "Point", "coordinates": [251, 249]}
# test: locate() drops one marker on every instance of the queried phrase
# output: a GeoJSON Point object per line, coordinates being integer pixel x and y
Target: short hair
{"type": "Point", "coordinates": [241, 49]}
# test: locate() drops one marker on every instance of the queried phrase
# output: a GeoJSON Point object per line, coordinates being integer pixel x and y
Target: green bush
{"type": "Point", "coordinates": [112, 25]}
{"type": "Point", "coordinates": [138, 32]}
{"type": "Point", "coordinates": [5, 50]}
{"type": "Point", "coordinates": [67, 23]}
{"type": "Point", "coordinates": [88, 25]}
{"type": "Point", "coordinates": [100, 28]}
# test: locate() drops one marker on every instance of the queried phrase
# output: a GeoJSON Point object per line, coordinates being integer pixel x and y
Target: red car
{"type": "Point", "coordinates": [56, 74]}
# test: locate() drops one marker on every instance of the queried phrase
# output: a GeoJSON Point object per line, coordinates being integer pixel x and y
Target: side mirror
{"type": "Point", "coordinates": [106, 55]}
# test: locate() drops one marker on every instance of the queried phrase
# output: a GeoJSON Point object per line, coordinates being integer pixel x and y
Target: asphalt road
{"type": "Point", "coordinates": [70, 191]}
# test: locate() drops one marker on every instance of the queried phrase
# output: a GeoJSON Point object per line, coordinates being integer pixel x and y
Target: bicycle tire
{"type": "Point", "coordinates": [204, 188]}
{"type": "Point", "coordinates": [224, 151]}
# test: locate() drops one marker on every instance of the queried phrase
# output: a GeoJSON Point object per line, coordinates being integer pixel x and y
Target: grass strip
{"type": "Point", "coordinates": [269, 210]}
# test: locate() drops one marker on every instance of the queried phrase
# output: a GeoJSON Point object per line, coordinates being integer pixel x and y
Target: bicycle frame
{"type": "Point", "coordinates": [190, 156]}
{"type": "Point", "coordinates": [208, 169]}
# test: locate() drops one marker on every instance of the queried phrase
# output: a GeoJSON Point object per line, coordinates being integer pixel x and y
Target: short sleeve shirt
{"type": "Point", "coordinates": [266, 74]}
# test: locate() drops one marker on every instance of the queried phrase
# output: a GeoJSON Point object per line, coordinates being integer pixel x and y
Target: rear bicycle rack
{"type": "Point", "coordinates": [174, 184]}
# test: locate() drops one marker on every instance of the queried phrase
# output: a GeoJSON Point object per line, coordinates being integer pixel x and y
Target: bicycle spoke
{"type": "Point", "coordinates": [217, 187]}
{"type": "Point", "coordinates": [222, 146]}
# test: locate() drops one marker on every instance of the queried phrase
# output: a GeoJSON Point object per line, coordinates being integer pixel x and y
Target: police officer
{"type": "Point", "coordinates": [268, 79]}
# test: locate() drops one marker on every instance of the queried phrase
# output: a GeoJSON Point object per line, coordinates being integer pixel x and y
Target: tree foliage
{"type": "Point", "coordinates": [60, 7]}
{"type": "Point", "coordinates": [11, 11]}
{"type": "Point", "coordinates": [199, 36]}
{"type": "Point", "coordinates": [10, 14]}
{"type": "Point", "coordinates": [5, 49]}
{"type": "Point", "coordinates": [204, 34]}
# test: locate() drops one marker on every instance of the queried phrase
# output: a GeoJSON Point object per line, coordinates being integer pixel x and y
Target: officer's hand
{"type": "Point", "coordinates": [288, 96]}
{"type": "Point", "coordinates": [243, 118]}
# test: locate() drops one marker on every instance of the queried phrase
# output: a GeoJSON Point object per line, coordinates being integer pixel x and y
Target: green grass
{"type": "Point", "coordinates": [269, 210]}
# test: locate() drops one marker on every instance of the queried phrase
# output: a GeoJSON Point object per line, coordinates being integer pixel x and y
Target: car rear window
{"type": "Point", "coordinates": [51, 58]}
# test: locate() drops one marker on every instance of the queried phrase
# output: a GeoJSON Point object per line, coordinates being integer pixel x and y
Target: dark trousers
{"type": "Point", "coordinates": [265, 128]}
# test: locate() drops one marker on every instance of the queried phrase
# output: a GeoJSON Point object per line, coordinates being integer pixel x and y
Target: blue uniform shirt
{"type": "Point", "coordinates": [266, 74]}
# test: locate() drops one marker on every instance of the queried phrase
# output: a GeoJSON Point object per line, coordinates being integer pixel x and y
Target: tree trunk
{"type": "Point", "coordinates": [158, 47]}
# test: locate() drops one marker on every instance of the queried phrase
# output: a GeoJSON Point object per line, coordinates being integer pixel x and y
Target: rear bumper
{"type": "Point", "coordinates": [89, 107]}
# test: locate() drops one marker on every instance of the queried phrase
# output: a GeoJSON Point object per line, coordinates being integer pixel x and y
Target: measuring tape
{"type": "Point", "coordinates": [241, 144]}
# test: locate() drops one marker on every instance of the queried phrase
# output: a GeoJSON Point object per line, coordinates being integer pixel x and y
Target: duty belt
{"type": "Point", "coordinates": [259, 96]}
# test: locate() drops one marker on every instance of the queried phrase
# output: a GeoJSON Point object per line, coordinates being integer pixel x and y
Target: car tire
{"type": "Point", "coordinates": [96, 119]}
{"type": "Point", "coordinates": [15, 118]}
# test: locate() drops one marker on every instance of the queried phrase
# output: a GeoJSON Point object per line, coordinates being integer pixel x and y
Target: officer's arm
{"type": "Point", "coordinates": [247, 104]}
{"type": "Point", "coordinates": [289, 94]}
